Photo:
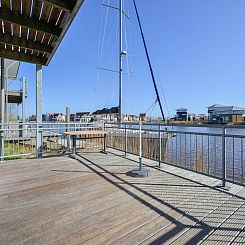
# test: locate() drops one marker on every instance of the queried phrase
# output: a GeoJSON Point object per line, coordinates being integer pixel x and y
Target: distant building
{"type": "Point", "coordinates": [211, 109]}
{"type": "Point", "coordinates": [106, 114]}
{"type": "Point", "coordinates": [226, 114]}
{"type": "Point", "coordinates": [56, 117]}
{"type": "Point", "coordinates": [83, 117]}
{"type": "Point", "coordinates": [79, 115]}
{"type": "Point", "coordinates": [72, 117]}
{"type": "Point", "coordinates": [182, 114]}
{"type": "Point", "coordinates": [201, 117]}
{"type": "Point", "coordinates": [130, 118]}
{"type": "Point", "coordinates": [142, 117]}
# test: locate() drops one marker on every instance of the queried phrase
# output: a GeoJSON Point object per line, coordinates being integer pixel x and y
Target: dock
{"type": "Point", "coordinates": [92, 200]}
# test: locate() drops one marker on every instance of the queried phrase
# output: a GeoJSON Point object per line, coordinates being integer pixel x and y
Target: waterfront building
{"type": "Point", "coordinates": [106, 115]}
{"type": "Point", "coordinates": [211, 109]}
{"type": "Point", "coordinates": [56, 117]}
{"type": "Point", "coordinates": [181, 114]}
{"type": "Point", "coordinates": [228, 114]}
{"type": "Point", "coordinates": [142, 117]}
{"type": "Point", "coordinates": [130, 118]}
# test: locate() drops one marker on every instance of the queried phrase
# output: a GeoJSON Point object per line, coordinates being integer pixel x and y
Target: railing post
{"type": "Point", "coordinates": [39, 111]}
{"type": "Point", "coordinates": [160, 146]}
{"type": "Point", "coordinates": [2, 105]}
{"type": "Point", "coordinates": [223, 156]}
{"type": "Point", "coordinates": [140, 146]}
{"type": "Point", "coordinates": [68, 138]}
{"type": "Point", "coordinates": [126, 141]}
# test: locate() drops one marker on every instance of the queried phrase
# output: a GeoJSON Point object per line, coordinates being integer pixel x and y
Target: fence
{"type": "Point", "coordinates": [216, 151]}
{"type": "Point", "coordinates": [18, 140]}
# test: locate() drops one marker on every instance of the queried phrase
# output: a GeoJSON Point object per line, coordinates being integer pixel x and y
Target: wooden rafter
{"type": "Point", "coordinates": [20, 56]}
{"type": "Point", "coordinates": [24, 43]}
{"type": "Point", "coordinates": [66, 5]}
{"type": "Point", "coordinates": [29, 22]}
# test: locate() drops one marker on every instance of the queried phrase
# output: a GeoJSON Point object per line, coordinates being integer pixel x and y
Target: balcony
{"type": "Point", "coordinates": [92, 199]}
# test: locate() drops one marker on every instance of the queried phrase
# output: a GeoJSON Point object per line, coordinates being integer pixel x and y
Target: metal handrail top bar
{"type": "Point", "coordinates": [181, 132]}
{"type": "Point", "coordinates": [178, 125]}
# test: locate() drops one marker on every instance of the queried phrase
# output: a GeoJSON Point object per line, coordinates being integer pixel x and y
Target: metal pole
{"type": "Point", "coordinates": [140, 147]}
{"type": "Point", "coordinates": [39, 111]}
{"type": "Point", "coordinates": [68, 118]}
{"type": "Point", "coordinates": [126, 141]}
{"type": "Point", "coordinates": [74, 146]}
{"type": "Point", "coordinates": [23, 99]}
{"type": "Point", "coordinates": [6, 102]}
{"type": "Point", "coordinates": [120, 61]}
{"type": "Point", "coordinates": [223, 156]}
{"type": "Point", "coordinates": [160, 146]}
{"type": "Point", "coordinates": [2, 109]}
{"type": "Point", "coordinates": [17, 111]}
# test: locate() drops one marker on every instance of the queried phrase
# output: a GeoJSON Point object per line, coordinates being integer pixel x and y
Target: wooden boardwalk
{"type": "Point", "coordinates": [91, 200]}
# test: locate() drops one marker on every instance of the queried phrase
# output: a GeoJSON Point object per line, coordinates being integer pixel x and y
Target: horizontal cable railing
{"type": "Point", "coordinates": [216, 151]}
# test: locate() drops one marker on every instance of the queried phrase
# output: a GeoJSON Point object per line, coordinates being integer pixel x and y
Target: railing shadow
{"type": "Point", "coordinates": [205, 229]}
{"type": "Point", "coordinates": [218, 188]}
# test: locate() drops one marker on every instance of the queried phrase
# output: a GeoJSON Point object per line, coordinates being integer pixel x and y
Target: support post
{"type": "Point", "coordinates": [140, 146]}
{"type": "Point", "coordinates": [39, 111]}
{"type": "Point", "coordinates": [160, 146]}
{"type": "Point", "coordinates": [68, 119]}
{"type": "Point", "coordinates": [140, 172]}
{"type": "Point", "coordinates": [17, 112]}
{"type": "Point", "coordinates": [74, 146]}
{"type": "Point", "coordinates": [2, 110]}
{"type": "Point", "coordinates": [23, 100]}
{"type": "Point", "coordinates": [126, 141]}
{"type": "Point", "coordinates": [6, 99]}
{"type": "Point", "coordinates": [223, 156]}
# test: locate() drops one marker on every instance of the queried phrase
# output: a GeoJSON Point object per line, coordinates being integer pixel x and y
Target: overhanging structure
{"type": "Point", "coordinates": [31, 31]}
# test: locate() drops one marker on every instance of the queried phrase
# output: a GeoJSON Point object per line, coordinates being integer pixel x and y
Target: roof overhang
{"type": "Point", "coordinates": [31, 31]}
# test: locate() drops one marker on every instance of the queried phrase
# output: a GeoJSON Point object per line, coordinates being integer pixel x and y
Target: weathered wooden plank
{"type": "Point", "coordinates": [64, 201]}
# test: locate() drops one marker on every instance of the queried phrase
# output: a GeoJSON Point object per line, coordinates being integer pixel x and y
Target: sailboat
{"type": "Point", "coordinates": [123, 53]}
{"type": "Point", "coordinates": [123, 131]}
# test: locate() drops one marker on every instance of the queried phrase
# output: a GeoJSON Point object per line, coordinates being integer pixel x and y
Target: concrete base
{"type": "Point", "coordinates": [139, 173]}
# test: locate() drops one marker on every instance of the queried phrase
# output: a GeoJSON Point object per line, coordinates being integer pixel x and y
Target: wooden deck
{"type": "Point", "coordinates": [91, 200]}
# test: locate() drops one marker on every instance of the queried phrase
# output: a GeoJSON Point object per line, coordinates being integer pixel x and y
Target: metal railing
{"type": "Point", "coordinates": [18, 140]}
{"type": "Point", "coordinates": [216, 151]}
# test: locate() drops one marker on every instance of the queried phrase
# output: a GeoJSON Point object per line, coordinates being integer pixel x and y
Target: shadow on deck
{"type": "Point", "coordinates": [91, 200]}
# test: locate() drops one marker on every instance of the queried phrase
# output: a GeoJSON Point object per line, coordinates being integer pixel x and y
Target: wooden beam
{"type": "Point", "coordinates": [20, 56]}
{"type": "Point", "coordinates": [29, 22]}
{"type": "Point", "coordinates": [24, 43]}
{"type": "Point", "coordinates": [66, 5]}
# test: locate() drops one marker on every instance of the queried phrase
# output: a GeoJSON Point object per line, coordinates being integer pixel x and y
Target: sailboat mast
{"type": "Point", "coordinates": [149, 62]}
{"type": "Point", "coordinates": [120, 61]}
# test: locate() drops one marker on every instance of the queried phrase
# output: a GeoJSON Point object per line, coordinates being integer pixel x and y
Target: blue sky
{"type": "Point", "coordinates": [197, 50]}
